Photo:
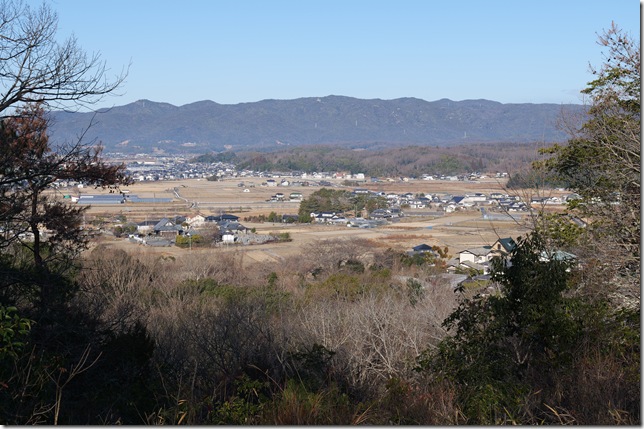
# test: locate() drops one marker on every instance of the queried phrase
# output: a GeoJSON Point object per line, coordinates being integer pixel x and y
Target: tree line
{"type": "Point", "coordinates": [405, 161]}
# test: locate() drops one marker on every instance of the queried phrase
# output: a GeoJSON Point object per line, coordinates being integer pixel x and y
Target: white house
{"type": "Point", "coordinates": [197, 220]}
{"type": "Point", "coordinates": [338, 220]}
{"type": "Point", "coordinates": [474, 198]}
{"type": "Point", "coordinates": [477, 258]}
{"type": "Point", "coordinates": [323, 217]}
{"type": "Point", "coordinates": [503, 246]}
{"type": "Point", "coordinates": [228, 237]}
{"type": "Point", "coordinates": [477, 255]}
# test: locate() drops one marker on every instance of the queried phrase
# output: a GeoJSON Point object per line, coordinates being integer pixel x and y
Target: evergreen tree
{"type": "Point", "coordinates": [601, 162]}
{"type": "Point", "coordinates": [29, 167]}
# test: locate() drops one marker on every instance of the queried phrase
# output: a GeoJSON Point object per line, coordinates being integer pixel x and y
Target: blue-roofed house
{"type": "Point", "coordinates": [422, 248]}
{"type": "Point", "coordinates": [503, 246]}
{"type": "Point", "coordinates": [222, 217]}
{"type": "Point", "coordinates": [456, 200]}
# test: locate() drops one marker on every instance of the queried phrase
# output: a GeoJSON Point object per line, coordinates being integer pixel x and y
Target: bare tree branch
{"type": "Point", "coordinates": [35, 68]}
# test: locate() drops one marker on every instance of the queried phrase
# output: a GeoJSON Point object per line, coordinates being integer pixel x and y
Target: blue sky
{"type": "Point", "coordinates": [238, 51]}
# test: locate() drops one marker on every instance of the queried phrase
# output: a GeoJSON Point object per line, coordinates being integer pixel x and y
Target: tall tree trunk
{"type": "Point", "coordinates": [40, 267]}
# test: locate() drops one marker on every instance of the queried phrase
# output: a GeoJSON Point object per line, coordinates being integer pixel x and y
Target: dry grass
{"type": "Point", "coordinates": [457, 231]}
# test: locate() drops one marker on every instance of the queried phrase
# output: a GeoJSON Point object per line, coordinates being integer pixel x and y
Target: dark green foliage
{"type": "Point", "coordinates": [244, 406]}
{"type": "Point", "coordinates": [282, 237]}
{"type": "Point", "coordinates": [602, 161]}
{"type": "Point", "coordinates": [13, 330]}
{"type": "Point", "coordinates": [414, 291]}
{"type": "Point", "coordinates": [495, 339]}
{"type": "Point", "coordinates": [508, 353]}
{"type": "Point", "coordinates": [273, 217]}
{"type": "Point", "coordinates": [368, 203]}
{"type": "Point", "coordinates": [74, 372]}
{"type": "Point", "coordinates": [416, 259]}
{"type": "Point", "coordinates": [352, 266]}
{"type": "Point", "coordinates": [324, 200]}
{"type": "Point", "coordinates": [535, 178]}
{"type": "Point", "coordinates": [193, 240]}
{"type": "Point", "coordinates": [270, 297]}
{"type": "Point", "coordinates": [560, 230]}
{"type": "Point", "coordinates": [295, 404]}
{"type": "Point", "coordinates": [448, 165]}
{"type": "Point", "coordinates": [121, 230]}
{"type": "Point", "coordinates": [211, 158]}
{"type": "Point", "coordinates": [318, 158]}
{"type": "Point", "coordinates": [312, 366]}
{"type": "Point", "coordinates": [120, 386]}
{"type": "Point", "coordinates": [343, 286]}
{"type": "Point", "coordinates": [393, 161]}
{"type": "Point", "coordinates": [272, 278]}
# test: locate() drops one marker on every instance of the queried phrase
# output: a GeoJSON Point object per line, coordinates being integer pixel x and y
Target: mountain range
{"type": "Point", "coordinates": [205, 126]}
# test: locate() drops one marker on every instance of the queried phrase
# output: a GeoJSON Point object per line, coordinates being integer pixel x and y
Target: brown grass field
{"type": "Point", "coordinates": [457, 231]}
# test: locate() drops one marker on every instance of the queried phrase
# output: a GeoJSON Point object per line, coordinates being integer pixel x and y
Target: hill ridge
{"type": "Point", "coordinates": [205, 126]}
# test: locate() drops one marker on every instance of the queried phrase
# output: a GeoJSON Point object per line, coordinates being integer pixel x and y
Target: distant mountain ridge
{"type": "Point", "coordinates": [205, 126]}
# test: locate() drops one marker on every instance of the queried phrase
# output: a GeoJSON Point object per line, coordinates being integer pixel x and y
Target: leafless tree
{"type": "Point", "coordinates": [114, 286]}
{"type": "Point", "coordinates": [378, 336]}
{"type": "Point", "coordinates": [36, 68]}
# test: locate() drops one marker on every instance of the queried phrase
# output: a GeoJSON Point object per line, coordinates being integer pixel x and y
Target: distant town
{"type": "Point", "coordinates": [145, 167]}
{"type": "Point", "coordinates": [149, 168]}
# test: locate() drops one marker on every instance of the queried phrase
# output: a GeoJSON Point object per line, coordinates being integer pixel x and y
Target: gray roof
{"type": "Point", "coordinates": [478, 251]}
{"type": "Point", "coordinates": [558, 255]}
{"type": "Point", "coordinates": [473, 265]}
{"type": "Point", "coordinates": [225, 225]}
{"type": "Point", "coordinates": [166, 224]}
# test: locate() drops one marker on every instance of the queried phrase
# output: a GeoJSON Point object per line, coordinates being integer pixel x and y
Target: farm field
{"type": "Point", "coordinates": [457, 231]}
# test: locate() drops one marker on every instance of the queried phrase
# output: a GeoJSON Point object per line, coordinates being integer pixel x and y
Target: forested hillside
{"type": "Point", "coordinates": [410, 161]}
{"type": "Point", "coordinates": [148, 126]}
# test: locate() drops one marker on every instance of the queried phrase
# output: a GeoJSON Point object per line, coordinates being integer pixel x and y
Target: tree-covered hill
{"type": "Point", "coordinates": [410, 161]}
{"type": "Point", "coordinates": [146, 126]}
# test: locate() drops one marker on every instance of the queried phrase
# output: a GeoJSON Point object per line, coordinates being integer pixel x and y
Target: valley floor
{"type": "Point", "coordinates": [457, 231]}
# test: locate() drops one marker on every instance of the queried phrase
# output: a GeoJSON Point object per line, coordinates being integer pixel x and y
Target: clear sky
{"type": "Point", "coordinates": [237, 51]}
